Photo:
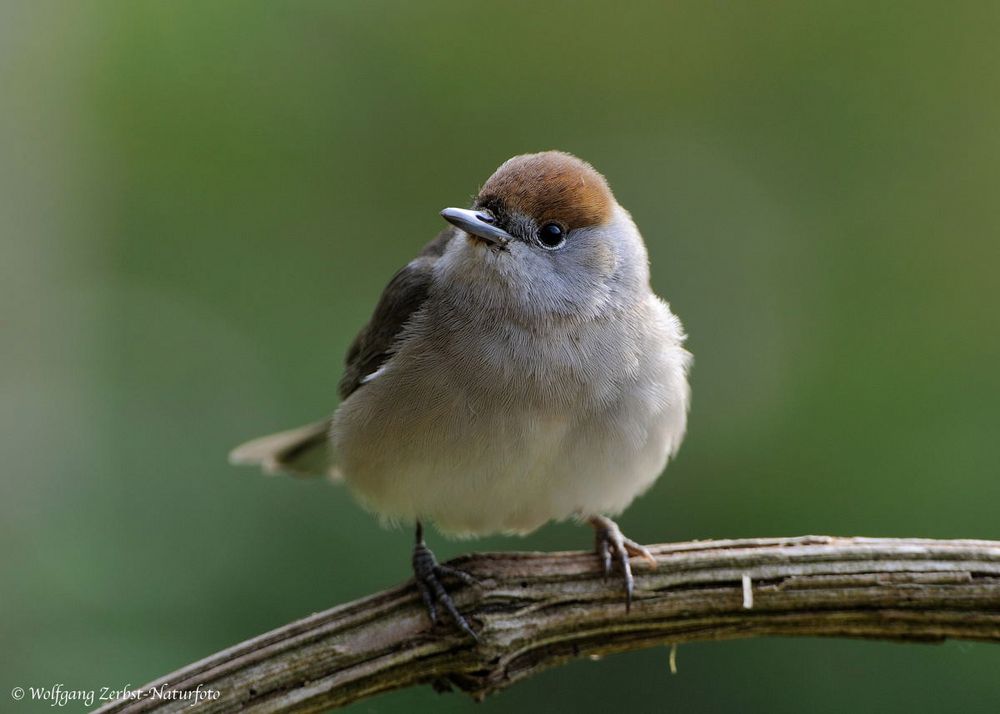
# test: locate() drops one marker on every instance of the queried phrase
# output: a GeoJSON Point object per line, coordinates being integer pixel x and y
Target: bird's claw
{"type": "Point", "coordinates": [614, 547]}
{"type": "Point", "coordinates": [428, 574]}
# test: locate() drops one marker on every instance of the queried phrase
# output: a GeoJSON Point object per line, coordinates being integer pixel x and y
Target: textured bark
{"type": "Point", "coordinates": [537, 610]}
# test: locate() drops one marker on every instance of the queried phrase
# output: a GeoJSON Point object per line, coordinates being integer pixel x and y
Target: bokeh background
{"type": "Point", "coordinates": [201, 201]}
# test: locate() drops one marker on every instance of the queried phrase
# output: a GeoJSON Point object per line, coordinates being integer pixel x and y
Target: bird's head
{"type": "Point", "coordinates": [546, 234]}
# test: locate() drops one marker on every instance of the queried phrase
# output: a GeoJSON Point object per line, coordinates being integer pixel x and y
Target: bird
{"type": "Point", "coordinates": [519, 370]}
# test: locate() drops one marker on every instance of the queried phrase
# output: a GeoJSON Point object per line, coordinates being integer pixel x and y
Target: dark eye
{"type": "Point", "coordinates": [551, 235]}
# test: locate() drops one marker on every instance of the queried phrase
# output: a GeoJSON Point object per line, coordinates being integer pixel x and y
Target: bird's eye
{"type": "Point", "coordinates": [551, 236]}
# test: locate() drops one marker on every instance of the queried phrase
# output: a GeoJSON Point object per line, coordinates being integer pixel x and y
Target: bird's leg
{"type": "Point", "coordinates": [613, 545]}
{"type": "Point", "coordinates": [428, 574]}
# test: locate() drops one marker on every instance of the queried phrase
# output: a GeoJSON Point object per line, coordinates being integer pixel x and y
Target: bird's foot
{"type": "Point", "coordinates": [429, 573]}
{"type": "Point", "coordinates": [613, 545]}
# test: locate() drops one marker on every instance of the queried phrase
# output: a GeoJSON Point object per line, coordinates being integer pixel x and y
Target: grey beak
{"type": "Point", "coordinates": [478, 224]}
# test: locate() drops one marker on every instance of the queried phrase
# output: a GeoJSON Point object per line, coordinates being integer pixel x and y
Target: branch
{"type": "Point", "coordinates": [538, 610]}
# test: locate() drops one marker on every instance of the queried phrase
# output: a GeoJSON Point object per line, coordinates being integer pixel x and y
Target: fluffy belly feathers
{"type": "Point", "coordinates": [482, 448]}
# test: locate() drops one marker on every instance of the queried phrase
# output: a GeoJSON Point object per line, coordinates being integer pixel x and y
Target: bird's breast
{"type": "Point", "coordinates": [546, 367]}
{"type": "Point", "coordinates": [493, 427]}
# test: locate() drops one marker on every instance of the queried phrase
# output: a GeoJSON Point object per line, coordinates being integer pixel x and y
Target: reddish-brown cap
{"type": "Point", "coordinates": [549, 186]}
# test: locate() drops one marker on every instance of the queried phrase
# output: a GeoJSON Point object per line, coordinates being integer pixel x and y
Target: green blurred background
{"type": "Point", "coordinates": [201, 202]}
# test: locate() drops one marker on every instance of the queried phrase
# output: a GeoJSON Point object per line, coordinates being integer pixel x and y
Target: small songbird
{"type": "Point", "coordinates": [519, 370]}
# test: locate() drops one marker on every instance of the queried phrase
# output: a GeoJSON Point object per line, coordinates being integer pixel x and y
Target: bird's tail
{"type": "Point", "coordinates": [305, 451]}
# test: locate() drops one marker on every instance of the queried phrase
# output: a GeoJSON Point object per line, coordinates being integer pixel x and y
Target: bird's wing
{"type": "Point", "coordinates": [307, 451]}
{"type": "Point", "coordinates": [402, 297]}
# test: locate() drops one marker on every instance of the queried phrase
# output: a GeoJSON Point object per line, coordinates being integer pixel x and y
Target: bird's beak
{"type": "Point", "coordinates": [478, 224]}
